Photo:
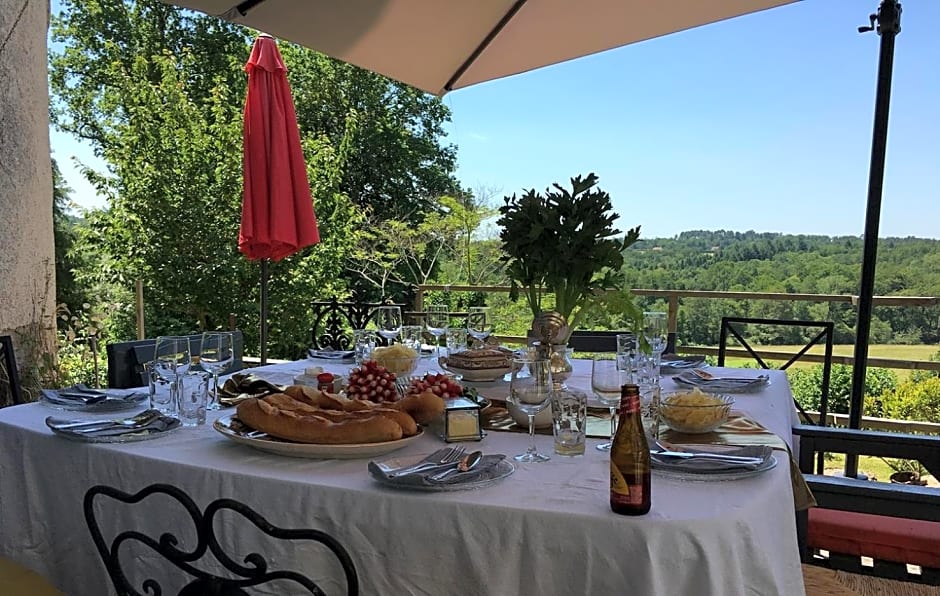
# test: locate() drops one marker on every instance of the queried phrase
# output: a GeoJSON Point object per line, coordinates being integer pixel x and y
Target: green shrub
{"type": "Point", "coordinates": [913, 400]}
{"type": "Point", "coordinates": [806, 384]}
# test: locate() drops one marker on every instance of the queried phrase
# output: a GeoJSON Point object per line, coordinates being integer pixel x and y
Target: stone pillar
{"type": "Point", "coordinates": [27, 273]}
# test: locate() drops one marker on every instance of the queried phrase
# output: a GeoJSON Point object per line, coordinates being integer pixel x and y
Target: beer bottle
{"type": "Point", "coordinates": [630, 458]}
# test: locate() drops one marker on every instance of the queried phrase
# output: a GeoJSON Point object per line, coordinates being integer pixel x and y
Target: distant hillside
{"type": "Point", "coordinates": [768, 262]}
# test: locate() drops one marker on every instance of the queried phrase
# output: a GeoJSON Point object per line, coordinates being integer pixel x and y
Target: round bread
{"type": "Point", "coordinates": [425, 407]}
{"type": "Point", "coordinates": [298, 423]}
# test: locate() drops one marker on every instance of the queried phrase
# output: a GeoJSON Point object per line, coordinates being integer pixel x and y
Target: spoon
{"type": "Point", "coordinates": [466, 464]}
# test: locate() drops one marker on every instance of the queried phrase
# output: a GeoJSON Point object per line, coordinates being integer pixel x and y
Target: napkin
{"type": "Point", "coordinates": [722, 384]}
{"type": "Point", "coordinates": [239, 387]}
{"type": "Point", "coordinates": [79, 395]}
{"type": "Point", "coordinates": [485, 470]}
{"type": "Point", "coordinates": [157, 426]}
{"type": "Point", "coordinates": [331, 354]}
{"type": "Point", "coordinates": [705, 466]}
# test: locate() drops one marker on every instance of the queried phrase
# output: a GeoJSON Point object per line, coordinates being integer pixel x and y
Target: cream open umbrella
{"type": "Point", "coordinates": [442, 45]}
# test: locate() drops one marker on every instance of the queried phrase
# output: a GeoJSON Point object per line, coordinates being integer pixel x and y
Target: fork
{"type": "Point", "coordinates": [445, 456]}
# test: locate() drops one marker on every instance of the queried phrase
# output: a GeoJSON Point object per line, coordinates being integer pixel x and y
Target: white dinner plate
{"type": "Point", "coordinates": [230, 427]}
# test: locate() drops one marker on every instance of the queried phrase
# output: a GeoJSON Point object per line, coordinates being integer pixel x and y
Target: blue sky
{"type": "Point", "coordinates": [758, 123]}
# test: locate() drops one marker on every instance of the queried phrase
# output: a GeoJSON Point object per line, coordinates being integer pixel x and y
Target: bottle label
{"type": "Point", "coordinates": [618, 484]}
{"type": "Point", "coordinates": [623, 492]}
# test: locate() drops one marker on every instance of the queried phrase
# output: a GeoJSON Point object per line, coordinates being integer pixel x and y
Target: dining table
{"type": "Point", "coordinates": [545, 529]}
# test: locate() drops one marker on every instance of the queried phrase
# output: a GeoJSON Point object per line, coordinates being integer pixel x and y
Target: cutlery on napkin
{"type": "Point", "coordinates": [157, 425]}
{"type": "Point", "coordinates": [423, 477]}
{"type": "Point", "coordinates": [715, 462]}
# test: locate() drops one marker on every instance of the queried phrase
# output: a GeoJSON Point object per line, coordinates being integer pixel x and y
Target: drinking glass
{"type": "Point", "coordinates": [656, 333]}
{"type": "Point", "coordinates": [411, 337]}
{"type": "Point", "coordinates": [456, 340]}
{"type": "Point", "coordinates": [217, 356]}
{"type": "Point", "coordinates": [479, 323]}
{"type": "Point", "coordinates": [172, 358]}
{"type": "Point", "coordinates": [530, 390]}
{"type": "Point", "coordinates": [388, 320]}
{"type": "Point", "coordinates": [438, 319]}
{"type": "Point", "coordinates": [606, 379]}
{"type": "Point", "coordinates": [192, 391]}
{"type": "Point", "coordinates": [363, 344]}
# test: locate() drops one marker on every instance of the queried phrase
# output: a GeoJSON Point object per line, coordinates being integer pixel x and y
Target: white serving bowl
{"type": "Point", "coordinates": [542, 420]}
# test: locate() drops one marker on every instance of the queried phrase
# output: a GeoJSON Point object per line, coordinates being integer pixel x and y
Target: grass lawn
{"type": "Point", "coordinates": [893, 351]}
{"type": "Point", "coordinates": [873, 467]}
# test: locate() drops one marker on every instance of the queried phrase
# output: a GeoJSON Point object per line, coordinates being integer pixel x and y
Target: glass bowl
{"type": "Point", "coordinates": [397, 358]}
{"type": "Point", "coordinates": [695, 412]}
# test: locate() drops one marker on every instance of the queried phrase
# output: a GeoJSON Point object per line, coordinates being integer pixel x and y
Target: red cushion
{"type": "Point", "coordinates": [880, 537]}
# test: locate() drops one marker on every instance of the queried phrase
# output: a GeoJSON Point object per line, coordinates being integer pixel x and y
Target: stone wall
{"type": "Point", "coordinates": [27, 278]}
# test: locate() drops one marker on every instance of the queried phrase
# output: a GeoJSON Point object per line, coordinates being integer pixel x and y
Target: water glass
{"type": "Point", "coordinates": [626, 350]}
{"type": "Point", "coordinates": [456, 339]}
{"type": "Point", "coordinates": [569, 421]}
{"type": "Point", "coordinates": [411, 337]}
{"type": "Point", "coordinates": [161, 394]}
{"type": "Point", "coordinates": [192, 396]}
{"type": "Point", "coordinates": [363, 344]}
{"type": "Point", "coordinates": [649, 410]}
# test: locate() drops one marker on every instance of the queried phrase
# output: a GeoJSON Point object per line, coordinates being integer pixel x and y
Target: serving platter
{"type": "Point", "coordinates": [477, 375]}
{"type": "Point", "coordinates": [232, 428]}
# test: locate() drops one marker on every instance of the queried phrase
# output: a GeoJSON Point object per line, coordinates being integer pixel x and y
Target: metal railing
{"type": "Point", "coordinates": [673, 297]}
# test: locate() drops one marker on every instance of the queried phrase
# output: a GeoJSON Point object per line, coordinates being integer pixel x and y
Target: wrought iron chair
{"type": "Point", "coordinates": [825, 330]}
{"type": "Point", "coordinates": [334, 321]}
{"type": "Point", "coordinates": [126, 359]}
{"type": "Point", "coordinates": [254, 572]}
{"type": "Point", "coordinates": [895, 525]}
{"type": "Point", "coordinates": [9, 376]}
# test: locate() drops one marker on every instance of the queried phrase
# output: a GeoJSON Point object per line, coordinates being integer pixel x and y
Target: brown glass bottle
{"type": "Point", "coordinates": [630, 458]}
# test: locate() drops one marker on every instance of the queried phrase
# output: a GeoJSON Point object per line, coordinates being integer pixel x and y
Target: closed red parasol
{"type": "Point", "coordinates": [277, 209]}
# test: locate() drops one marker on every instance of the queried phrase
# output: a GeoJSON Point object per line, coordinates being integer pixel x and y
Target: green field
{"type": "Point", "coordinates": [892, 351]}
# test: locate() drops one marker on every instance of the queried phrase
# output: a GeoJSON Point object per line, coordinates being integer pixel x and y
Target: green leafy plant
{"type": "Point", "coordinates": [564, 243]}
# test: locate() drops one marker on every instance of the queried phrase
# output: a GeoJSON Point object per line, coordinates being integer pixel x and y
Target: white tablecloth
{"type": "Point", "coordinates": [547, 529]}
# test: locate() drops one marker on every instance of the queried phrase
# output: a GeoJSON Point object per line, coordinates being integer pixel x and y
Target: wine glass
{"type": "Point", "coordinates": [172, 356]}
{"type": "Point", "coordinates": [479, 326]}
{"type": "Point", "coordinates": [388, 320]}
{"type": "Point", "coordinates": [438, 319]}
{"type": "Point", "coordinates": [530, 390]}
{"type": "Point", "coordinates": [606, 379]}
{"type": "Point", "coordinates": [217, 356]}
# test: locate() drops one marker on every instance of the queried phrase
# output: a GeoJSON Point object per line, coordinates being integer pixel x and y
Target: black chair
{"type": "Point", "coordinates": [254, 572]}
{"type": "Point", "coordinates": [876, 505]}
{"type": "Point", "coordinates": [334, 321]}
{"type": "Point", "coordinates": [594, 341]}
{"type": "Point", "coordinates": [825, 330]}
{"type": "Point", "coordinates": [9, 375]}
{"type": "Point", "coordinates": [126, 359]}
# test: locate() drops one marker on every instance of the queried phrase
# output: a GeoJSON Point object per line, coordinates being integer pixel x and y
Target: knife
{"type": "Point", "coordinates": [734, 459]}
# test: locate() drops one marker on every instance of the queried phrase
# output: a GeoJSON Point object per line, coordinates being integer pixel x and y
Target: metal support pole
{"type": "Point", "coordinates": [888, 26]}
{"type": "Point", "coordinates": [264, 311]}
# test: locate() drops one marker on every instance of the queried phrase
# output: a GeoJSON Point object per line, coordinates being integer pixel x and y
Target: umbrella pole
{"type": "Point", "coordinates": [264, 311]}
{"type": "Point", "coordinates": [889, 25]}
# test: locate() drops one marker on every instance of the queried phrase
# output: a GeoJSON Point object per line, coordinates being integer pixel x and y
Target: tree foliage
{"type": "Point", "coordinates": [158, 93]}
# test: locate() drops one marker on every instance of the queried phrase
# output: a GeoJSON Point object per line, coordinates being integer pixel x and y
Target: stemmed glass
{"type": "Point", "coordinates": [388, 320]}
{"type": "Point", "coordinates": [217, 356]}
{"type": "Point", "coordinates": [479, 326]}
{"type": "Point", "coordinates": [530, 390]}
{"type": "Point", "coordinates": [656, 332]}
{"type": "Point", "coordinates": [437, 323]}
{"type": "Point", "coordinates": [606, 379]}
{"type": "Point", "coordinates": [172, 358]}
